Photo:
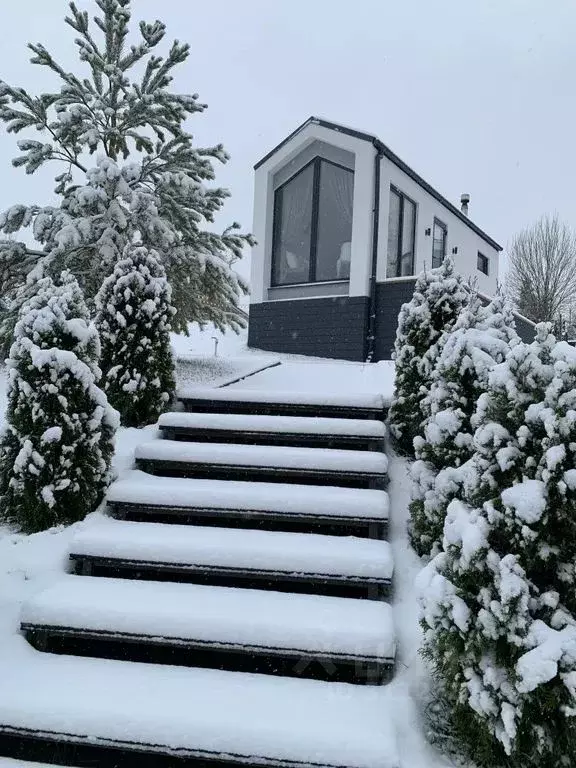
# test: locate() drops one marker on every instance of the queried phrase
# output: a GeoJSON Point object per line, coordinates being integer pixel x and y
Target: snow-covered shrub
{"type": "Point", "coordinates": [58, 443]}
{"type": "Point", "coordinates": [498, 603]}
{"type": "Point", "coordinates": [480, 339]}
{"type": "Point", "coordinates": [133, 317]}
{"type": "Point", "coordinates": [439, 297]}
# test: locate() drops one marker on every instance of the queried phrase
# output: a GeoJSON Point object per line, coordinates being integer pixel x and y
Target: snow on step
{"type": "Point", "coordinates": [305, 425]}
{"type": "Point", "coordinates": [281, 457]}
{"type": "Point", "coordinates": [199, 713]}
{"type": "Point", "coordinates": [293, 553]}
{"type": "Point", "coordinates": [7, 762]}
{"type": "Point", "coordinates": [220, 616]}
{"type": "Point", "coordinates": [141, 488]}
{"type": "Point", "coordinates": [338, 399]}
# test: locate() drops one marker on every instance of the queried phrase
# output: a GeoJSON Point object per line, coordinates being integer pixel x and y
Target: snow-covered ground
{"type": "Point", "coordinates": [297, 372]}
{"type": "Point", "coordinates": [317, 375]}
{"type": "Point", "coordinates": [29, 564]}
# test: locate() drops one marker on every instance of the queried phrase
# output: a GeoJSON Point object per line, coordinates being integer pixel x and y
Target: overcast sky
{"type": "Point", "coordinates": [477, 96]}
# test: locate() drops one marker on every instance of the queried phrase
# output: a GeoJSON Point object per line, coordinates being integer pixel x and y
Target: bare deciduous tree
{"type": "Point", "coordinates": [542, 269]}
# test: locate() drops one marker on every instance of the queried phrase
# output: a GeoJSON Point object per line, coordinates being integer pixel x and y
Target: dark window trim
{"type": "Point", "coordinates": [403, 197]}
{"type": "Point", "coordinates": [439, 223]}
{"type": "Point", "coordinates": [277, 220]}
{"type": "Point", "coordinates": [486, 261]}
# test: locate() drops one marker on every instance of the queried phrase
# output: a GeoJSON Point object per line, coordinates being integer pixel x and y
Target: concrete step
{"type": "Point", "coordinates": [310, 466]}
{"type": "Point", "coordinates": [252, 401]}
{"type": "Point", "coordinates": [112, 714]}
{"type": "Point", "coordinates": [268, 506]}
{"type": "Point", "coordinates": [323, 638]}
{"type": "Point", "coordinates": [285, 562]}
{"type": "Point", "coordinates": [311, 432]}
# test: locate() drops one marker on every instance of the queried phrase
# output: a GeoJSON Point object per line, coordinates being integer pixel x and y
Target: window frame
{"type": "Point", "coordinates": [316, 162]}
{"type": "Point", "coordinates": [403, 197]}
{"type": "Point", "coordinates": [486, 261]}
{"type": "Point", "coordinates": [444, 227]}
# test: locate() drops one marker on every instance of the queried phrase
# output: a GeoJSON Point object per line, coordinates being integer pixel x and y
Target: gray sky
{"type": "Point", "coordinates": [475, 95]}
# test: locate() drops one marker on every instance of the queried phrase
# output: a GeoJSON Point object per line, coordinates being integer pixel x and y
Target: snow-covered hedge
{"type": "Point", "coordinates": [439, 297]}
{"type": "Point", "coordinates": [498, 603]}
{"type": "Point", "coordinates": [56, 450]}
{"type": "Point", "coordinates": [133, 317]}
{"type": "Point", "coordinates": [480, 338]}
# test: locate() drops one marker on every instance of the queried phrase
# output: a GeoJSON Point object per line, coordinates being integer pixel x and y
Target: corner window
{"type": "Point", "coordinates": [401, 235]}
{"type": "Point", "coordinates": [483, 263]}
{"type": "Point", "coordinates": [439, 240]}
{"type": "Point", "coordinates": [313, 225]}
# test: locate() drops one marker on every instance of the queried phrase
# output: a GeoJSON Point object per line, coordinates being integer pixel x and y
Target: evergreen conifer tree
{"type": "Point", "coordinates": [149, 182]}
{"type": "Point", "coordinates": [499, 606]}
{"type": "Point", "coordinates": [57, 447]}
{"type": "Point", "coordinates": [480, 339]}
{"type": "Point", "coordinates": [134, 313]}
{"type": "Point", "coordinates": [439, 297]}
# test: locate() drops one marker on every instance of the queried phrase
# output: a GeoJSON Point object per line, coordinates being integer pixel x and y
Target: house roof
{"type": "Point", "coordinates": [387, 152]}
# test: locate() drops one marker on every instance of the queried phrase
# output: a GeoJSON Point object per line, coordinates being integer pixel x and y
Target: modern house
{"type": "Point", "coordinates": [342, 226]}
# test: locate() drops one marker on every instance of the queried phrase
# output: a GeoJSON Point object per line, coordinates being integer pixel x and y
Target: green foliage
{"type": "Point", "coordinates": [439, 297]}
{"type": "Point", "coordinates": [57, 447]}
{"type": "Point", "coordinates": [480, 339]}
{"type": "Point", "coordinates": [133, 317]}
{"type": "Point", "coordinates": [499, 608]}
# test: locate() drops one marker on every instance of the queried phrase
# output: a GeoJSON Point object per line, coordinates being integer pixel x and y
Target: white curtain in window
{"type": "Point", "coordinates": [296, 209]}
{"type": "Point", "coordinates": [341, 185]}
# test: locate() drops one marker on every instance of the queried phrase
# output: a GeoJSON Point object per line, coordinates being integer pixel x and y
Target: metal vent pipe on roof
{"type": "Point", "coordinates": [464, 200]}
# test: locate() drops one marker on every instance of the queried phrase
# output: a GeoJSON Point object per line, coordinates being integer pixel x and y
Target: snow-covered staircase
{"type": "Point", "coordinates": [231, 609]}
{"type": "Point", "coordinates": [341, 566]}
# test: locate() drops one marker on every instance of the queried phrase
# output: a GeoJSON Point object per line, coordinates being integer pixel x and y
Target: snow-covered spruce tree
{"type": "Point", "coordinates": [57, 446]}
{"type": "Point", "coordinates": [149, 182]}
{"type": "Point", "coordinates": [499, 606]}
{"type": "Point", "coordinates": [133, 315]}
{"type": "Point", "coordinates": [480, 339]}
{"type": "Point", "coordinates": [439, 297]}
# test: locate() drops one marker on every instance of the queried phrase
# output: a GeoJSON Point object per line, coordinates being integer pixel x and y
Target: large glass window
{"type": "Point", "coordinates": [313, 225]}
{"type": "Point", "coordinates": [293, 228]}
{"type": "Point", "coordinates": [401, 235]}
{"type": "Point", "coordinates": [439, 238]}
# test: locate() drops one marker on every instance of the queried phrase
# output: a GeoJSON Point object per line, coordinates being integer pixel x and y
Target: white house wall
{"type": "Point", "coordinates": [271, 171]}
{"type": "Point", "coordinates": [460, 235]}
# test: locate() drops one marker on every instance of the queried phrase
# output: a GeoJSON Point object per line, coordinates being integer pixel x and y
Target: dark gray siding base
{"type": "Point", "coordinates": [336, 327]}
{"type": "Point", "coordinates": [389, 298]}
{"type": "Point", "coordinates": [525, 329]}
{"type": "Point", "coordinates": [332, 327]}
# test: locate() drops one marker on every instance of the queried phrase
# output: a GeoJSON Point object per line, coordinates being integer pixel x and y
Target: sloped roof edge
{"type": "Point", "coordinates": [387, 152]}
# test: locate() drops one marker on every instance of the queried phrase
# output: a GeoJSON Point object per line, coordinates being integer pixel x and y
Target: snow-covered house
{"type": "Point", "coordinates": [343, 225]}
